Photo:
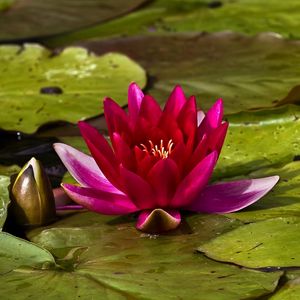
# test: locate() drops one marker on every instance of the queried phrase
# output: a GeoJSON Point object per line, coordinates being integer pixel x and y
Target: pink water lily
{"type": "Point", "coordinates": [159, 162]}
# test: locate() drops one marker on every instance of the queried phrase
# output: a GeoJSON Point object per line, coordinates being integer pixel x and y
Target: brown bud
{"type": "Point", "coordinates": [32, 197]}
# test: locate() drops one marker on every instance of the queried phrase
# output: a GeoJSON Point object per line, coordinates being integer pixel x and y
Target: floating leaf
{"type": "Point", "coordinates": [9, 170]}
{"type": "Point", "coordinates": [4, 198]}
{"type": "Point", "coordinates": [161, 16]}
{"type": "Point", "coordinates": [259, 139]}
{"type": "Point", "coordinates": [16, 252]}
{"type": "Point", "coordinates": [36, 88]}
{"type": "Point", "coordinates": [246, 72]}
{"type": "Point", "coordinates": [104, 257]}
{"type": "Point", "coordinates": [269, 243]}
{"type": "Point", "coordinates": [290, 290]}
{"type": "Point", "coordinates": [31, 19]}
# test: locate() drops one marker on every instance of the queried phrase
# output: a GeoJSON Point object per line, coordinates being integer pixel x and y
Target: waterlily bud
{"type": "Point", "coordinates": [32, 197]}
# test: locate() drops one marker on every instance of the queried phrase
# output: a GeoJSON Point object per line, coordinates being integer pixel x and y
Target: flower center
{"type": "Point", "coordinates": [160, 150]}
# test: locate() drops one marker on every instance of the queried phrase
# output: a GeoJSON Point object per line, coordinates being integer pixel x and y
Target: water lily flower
{"type": "Point", "coordinates": [159, 163]}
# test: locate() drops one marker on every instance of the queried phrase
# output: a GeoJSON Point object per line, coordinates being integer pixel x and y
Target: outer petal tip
{"type": "Point", "coordinates": [227, 197]}
{"type": "Point", "coordinates": [135, 97]}
{"type": "Point", "coordinates": [158, 220]}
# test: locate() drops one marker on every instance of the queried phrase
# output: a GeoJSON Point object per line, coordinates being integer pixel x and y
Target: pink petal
{"type": "Point", "coordinates": [217, 137]}
{"type": "Point", "coordinates": [158, 220]}
{"type": "Point", "coordinates": [198, 154]}
{"type": "Point", "coordinates": [135, 97]}
{"type": "Point", "coordinates": [226, 197]}
{"type": "Point", "coordinates": [187, 120]}
{"type": "Point", "coordinates": [150, 110]}
{"type": "Point", "coordinates": [123, 152]}
{"type": "Point", "coordinates": [116, 119]}
{"type": "Point", "coordinates": [191, 186]}
{"type": "Point", "coordinates": [169, 126]}
{"type": "Point", "coordinates": [101, 152]}
{"type": "Point", "coordinates": [214, 115]}
{"type": "Point", "coordinates": [175, 101]}
{"type": "Point", "coordinates": [138, 190]}
{"type": "Point", "coordinates": [100, 201]}
{"type": "Point", "coordinates": [83, 168]}
{"type": "Point", "coordinates": [164, 177]}
{"type": "Point", "coordinates": [212, 120]}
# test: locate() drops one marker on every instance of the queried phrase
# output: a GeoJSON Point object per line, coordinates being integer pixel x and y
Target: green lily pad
{"type": "Point", "coordinates": [259, 139]}
{"type": "Point", "coordinates": [269, 243]}
{"type": "Point", "coordinates": [246, 72]}
{"type": "Point", "coordinates": [290, 290]}
{"type": "Point", "coordinates": [37, 88]}
{"type": "Point", "coordinates": [16, 252]}
{"type": "Point", "coordinates": [107, 258]}
{"type": "Point", "coordinates": [245, 16]}
{"type": "Point", "coordinates": [282, 201]}
{"type": "Point", "coordinates": [24, 19]}
{"type": "Point", "coordinates": [4, 198]}
{"type": "Point", "coordinates": [9, 170]}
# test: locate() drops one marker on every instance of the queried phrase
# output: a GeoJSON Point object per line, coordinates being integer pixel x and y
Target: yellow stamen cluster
{"type": "Point", "coordinates": [159, 150]}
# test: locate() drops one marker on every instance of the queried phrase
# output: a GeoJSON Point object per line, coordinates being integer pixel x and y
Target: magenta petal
{"type": "Point", "coordinates": [215, 114]}
{"type": "Point", "coordinates": [123, 152]}
{"type": "Point", "coordinates": [116, 119]}
{"type": "Point", "coordinates": [191, 186]}
{"type": "Point", "coordinates": [92, 136]}
{"type": "Point", "coordinates": [164, 177]}
{"type": "Point", "coordinates": [226, 197]}
{"type": "Point", "coordinates": [100, 201]}
{"type": "Point", "coordinates": [217, 137]}
{"type": "Point", "coordinates": [150, 110]}
{"type": "Point", "coordinates": [175, 102]}
{"type": "Point", "coordinates": [101, 152]}
{"type": "Point", "coordinates": [212, 120]}
{"type": "Point", "coordinates": [138, 189]}
{"type": "Point", "coordinates": [158, 220]}
{"type": "Point", "coordinates": [83, 168]}
{"type": "Point", "coordinates": [135, 97]}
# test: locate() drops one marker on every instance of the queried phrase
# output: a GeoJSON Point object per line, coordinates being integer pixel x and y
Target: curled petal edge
{"type": "Point", "coordinates": [158, 220]}
{"type": "Point", "coordinates": [100, 201]}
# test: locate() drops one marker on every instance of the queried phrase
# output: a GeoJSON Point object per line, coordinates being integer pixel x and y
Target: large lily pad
{"type": "Point", "coordinates": [107, 258]}
{"type": "Point", "coordinates": [36, 87]}
{"type": "Point", "coordinates": [162, 16]}
{"type": "Point", "coordinates": [4, 198]}
{"type": "Point", "coordinates": [269, 243]}
{"type": "Point", "coordinates": [25, 19]}
{"type": "Point", "coordinates": [259, 139]}
{"type": "Point", "coordinates": [246, 72]}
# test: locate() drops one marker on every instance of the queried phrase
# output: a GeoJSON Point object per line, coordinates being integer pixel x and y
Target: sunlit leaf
{"type": "Point", "coordinates": [269, 243]}
{"type": "Point", "coordinates": [37, 88]}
